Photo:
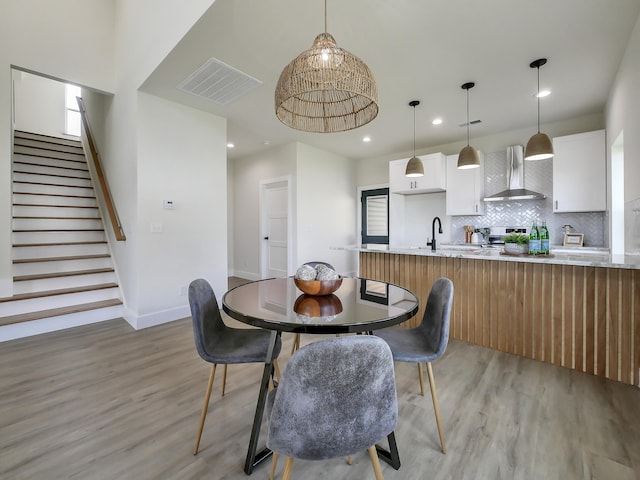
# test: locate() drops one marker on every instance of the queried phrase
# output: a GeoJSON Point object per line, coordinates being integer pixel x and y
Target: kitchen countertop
{"type": "Point", "coordinates": [581, 256]}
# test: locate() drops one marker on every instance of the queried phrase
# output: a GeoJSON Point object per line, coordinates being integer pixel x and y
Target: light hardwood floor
{"type": "Point", "coordinates": [106, 402]}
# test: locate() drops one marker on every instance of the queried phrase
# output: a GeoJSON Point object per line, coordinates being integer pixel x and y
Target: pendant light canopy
{"type": "Point", "coordinates": [468, 157]}
{"type": "Point", "coordinates": [326, 89]}
{"type": "Point", "coordinates": [414, 166]}
{"type": "Point", "coordinates": [539, 146]}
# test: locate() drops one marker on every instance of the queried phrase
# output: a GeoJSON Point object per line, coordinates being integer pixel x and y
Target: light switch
{"type": "Point", "coordinates": [156, 228]}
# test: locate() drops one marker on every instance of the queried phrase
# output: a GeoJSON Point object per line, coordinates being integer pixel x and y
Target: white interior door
{"type": "Point", "coordinates": [275, 229]}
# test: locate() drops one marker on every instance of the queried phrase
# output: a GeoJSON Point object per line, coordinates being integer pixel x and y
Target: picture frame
{"type": "Point", "coordinates": [573, 239]}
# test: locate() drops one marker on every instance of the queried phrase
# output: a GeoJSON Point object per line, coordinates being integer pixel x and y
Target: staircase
{"type": "Point", "coordinates": [62, 267]}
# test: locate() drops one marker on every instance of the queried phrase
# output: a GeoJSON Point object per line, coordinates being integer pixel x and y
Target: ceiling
{"type": "Point", "coordinates": [416, 49]}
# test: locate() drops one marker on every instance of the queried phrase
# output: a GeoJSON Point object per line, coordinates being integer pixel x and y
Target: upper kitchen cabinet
{"type": "Point", "coordinates": [465, 188]}
{"type": "Point", "coordinates": [433, 180]}
{"type": "Point", "coordinates": [579, 173]}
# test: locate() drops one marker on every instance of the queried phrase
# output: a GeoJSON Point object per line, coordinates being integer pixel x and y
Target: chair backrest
{"type": "Point", "coordinates": [337, 397]}
{"type": "Point", "coordinates": [437, 314]}
{"type": "Point", "coordinates": [205, 314]}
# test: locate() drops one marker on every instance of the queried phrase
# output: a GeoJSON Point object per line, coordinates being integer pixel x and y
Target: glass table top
{"type": "Point", "coordinates": [358, 305]}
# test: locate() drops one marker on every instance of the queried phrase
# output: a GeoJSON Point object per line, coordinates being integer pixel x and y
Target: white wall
{"type": "Point", "coordinates": [181, 158]}
{"type": "Point", "coordinates": [326, 208]}
{"type": "Point", "coordinates": [39, 104]}
{"type": "Point", "coordinates": [623, 116]}
{"type": "Point", "coordinates": [275, 163]}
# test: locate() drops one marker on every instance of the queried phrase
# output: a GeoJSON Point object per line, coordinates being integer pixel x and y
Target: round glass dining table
{"type": "Point", "coordinates": [359, 305]}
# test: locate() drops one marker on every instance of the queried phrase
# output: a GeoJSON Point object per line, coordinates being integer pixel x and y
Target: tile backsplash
{"type": "Point", "coordinates": [538, 176]}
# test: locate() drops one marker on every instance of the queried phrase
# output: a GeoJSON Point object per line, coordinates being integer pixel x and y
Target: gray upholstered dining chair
{"type": "Point", "coordinates": [295, 345]}
{"type": "Point", "coordinates": [337, 397]}
{"type": "Point", "coordinates": [427, 342]}
{"type": "Point", "coordinates": [217, 343]}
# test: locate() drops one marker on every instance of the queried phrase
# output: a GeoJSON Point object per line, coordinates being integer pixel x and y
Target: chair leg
{"type": "Point", "coordinates": [224, 378]}
{"type": "Point", "coordinates": [286, 471]}
{"type": "Point", "coordinates": [205, 407]}
{"type": "Point", "coordinates": [296, 343]}
{"type": "Point", "coordinates": [436, 408]}
{"type": "Point", "coordinates": [375, 462]}
{"type": "Point", "coordinates": [274, 462]}
{"type": "Point", "coordinates": [276, 367]}
{"type": "Point", "coordinates": [421, 378]}
{"type": "Point", "coordinates": [350, 460]}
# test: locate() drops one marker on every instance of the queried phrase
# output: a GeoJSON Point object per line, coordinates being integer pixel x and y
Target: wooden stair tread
{"type": "Point", "coordinates": [53, 206]}
{"type": "Point", "coordinates": [43, 276]}
{"type": "Point", "coordinates": [27, 217]}
{"type": "Point", "coordinates": [59, 230]}
{"type": "Point", "coordinates": [60, 291]}
{"type": "Point", "coordinates": [57, 244]}
{"type": "Point", "coordinates": [34, 164]}
{"type": "Point", "coordinates": [23, 134]}
{"type": "Point", "coordinates": [76, 160]}
{"type": "Point", "coordinates": [22, 182]}
{"type": "Point", "coordinates": [55, 312]}
{"type": "Point", "coordinates": [61, 259]}
{"type": "Point", "coordinates": [93, 197]}
{"type": "Point", "coordinates": [55, 175]}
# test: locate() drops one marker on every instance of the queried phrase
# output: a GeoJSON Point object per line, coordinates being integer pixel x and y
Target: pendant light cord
{"type": "Point", "coordinates": [414, 130]}
{"type": "Point", "coordinates": [467, 117]}
{"type": "Point", "coordinates": [538, 97]}
{"type": "Point", "coordinates": [325, 16]}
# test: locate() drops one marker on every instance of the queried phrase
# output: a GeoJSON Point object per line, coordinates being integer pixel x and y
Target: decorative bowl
{"type": "Point", "coordinates": [317, 306]}
{"type": "Point", "coordinates": [318, 287]}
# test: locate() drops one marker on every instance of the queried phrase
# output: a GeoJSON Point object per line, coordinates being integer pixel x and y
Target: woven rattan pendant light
{"type": "Point", "coordinates": [539, 146]}
{"type": "Point", "coordinates": [326, 89]}
{"type": "Point", "coordinates": [414, 165]}
{"type": "Point", "coordinates": [468, 157]}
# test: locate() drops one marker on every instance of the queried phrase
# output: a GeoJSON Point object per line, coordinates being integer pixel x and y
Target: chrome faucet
{"type": "Point", "coordinates": [433, 232]}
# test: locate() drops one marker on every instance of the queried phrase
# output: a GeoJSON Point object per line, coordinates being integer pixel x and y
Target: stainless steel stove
{"type": "Point", "coordinates": [497, 234]}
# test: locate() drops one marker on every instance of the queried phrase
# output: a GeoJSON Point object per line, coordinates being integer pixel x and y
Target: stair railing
{"type": "Point", "coordinates": [102, 179]}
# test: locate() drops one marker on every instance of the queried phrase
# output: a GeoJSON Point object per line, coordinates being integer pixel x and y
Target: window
{"type": "Point", "coordinates": [375, 216]}
{"type": "Point", "coordinates": [72, 111]}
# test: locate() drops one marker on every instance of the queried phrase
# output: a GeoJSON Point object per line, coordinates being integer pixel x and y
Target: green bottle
{"type": "Point", "coordinates": [534, 240]}
{"type": "Point", "coordinates": [544, 239]}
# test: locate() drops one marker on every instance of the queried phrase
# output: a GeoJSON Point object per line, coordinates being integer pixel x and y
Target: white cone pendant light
{"type": "Point", "coordinates": [468, 157]}
{"type": "Point", "coordinates": [414, 166]}
{"type": "Point", "coordinates": [539, 146]}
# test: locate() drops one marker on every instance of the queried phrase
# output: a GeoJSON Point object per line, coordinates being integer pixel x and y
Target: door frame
{"type": "Point", "coordinates": [264, 186]}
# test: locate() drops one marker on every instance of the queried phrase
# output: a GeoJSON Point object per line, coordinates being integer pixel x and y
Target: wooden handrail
{"type": "Point", "coordinates": [102, 180]}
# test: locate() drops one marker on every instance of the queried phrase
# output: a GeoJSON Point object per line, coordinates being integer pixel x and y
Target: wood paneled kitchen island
{"type": "Point", "coordinates": [577, 311]}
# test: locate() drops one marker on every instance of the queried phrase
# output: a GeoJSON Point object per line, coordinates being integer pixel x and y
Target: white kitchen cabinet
{"type": "Point", "coordinates": [433, 180]}
{"type": "Point", "coordinates": [579, 173]}
{"type": "Point", "coordinates": [465, 188]}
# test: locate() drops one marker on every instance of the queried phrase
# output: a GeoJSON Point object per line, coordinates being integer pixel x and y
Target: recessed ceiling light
{"type": "Point", "coordinates": [366, 139]}
{"type": "Point", "coordinates": [437, 121]}
{"type": "Point", "coordinates": [230, 145]}
{"type": "Point", "coordinates": [544, 93]}
{"type": "Point", "coordinates": [266, 142]}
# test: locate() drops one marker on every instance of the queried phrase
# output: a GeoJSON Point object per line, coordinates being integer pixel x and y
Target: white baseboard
{"type": "Point", "coordinates": [156, 318]}
{"type": "Point", "coordinates": [248, 275]}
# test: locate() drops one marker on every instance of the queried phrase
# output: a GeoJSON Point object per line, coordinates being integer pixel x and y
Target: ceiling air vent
{"type": "Point", "coordinates": [218, 82]}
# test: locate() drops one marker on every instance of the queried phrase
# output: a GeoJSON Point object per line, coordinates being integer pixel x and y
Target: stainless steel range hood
{"type": "Point", "coordinates": [515, 176]}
